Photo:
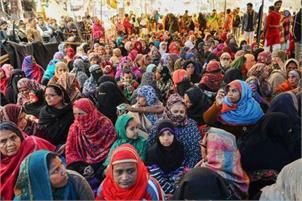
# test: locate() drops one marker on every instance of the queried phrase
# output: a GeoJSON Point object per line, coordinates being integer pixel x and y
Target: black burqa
{"type": "Point", "coordinates": [35, 108]}
{"type": "Point", "coordinates": [55, 122]}
{"type": "Point", "coordinates": [202, 184]}
{"type": "Point", "coordinates": [200, 104]}
{"type": "Point", "coordinates": [288, 104]}
{"type": "Point", "coordinates": [12, 87]}
{"type": "Point", "coordinates": [109, 96]}
{"type": "Point", "coordinates": [167, 158]}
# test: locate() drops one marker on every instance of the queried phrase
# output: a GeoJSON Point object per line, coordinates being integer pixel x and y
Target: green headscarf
{"type": "Point", "coordinates": [120, 126]}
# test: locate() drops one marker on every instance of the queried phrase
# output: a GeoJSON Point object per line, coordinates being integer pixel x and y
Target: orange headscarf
{"type": "Point", "coordinates": [111, 190]}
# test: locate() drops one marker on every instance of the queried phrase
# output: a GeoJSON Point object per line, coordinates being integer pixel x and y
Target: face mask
{"type": "Point", "coordinates": [225, 63]}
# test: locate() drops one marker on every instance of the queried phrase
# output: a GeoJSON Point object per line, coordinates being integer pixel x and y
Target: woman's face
{"type": "Point", "coordinates": [157, 75]}
{"type": "Point", "coordinates": [78, 113]}
{"type": "Point", "coordinates": [61, 70]}
{"type": "Point", "coordinates": [170, 61]}
{"type": "Point", "coordinates": [57, 173]}
{"type": "Point", "coordinates": [190, 69]}
{"type": "Point", "coordinates": [52, 98]}
{"type": "Point", "coordinates": [22, 122]}
{"type": "Point", "coordinates": [293, 81]}
{"type": "Point", "coordinates": [291, 66]}
{"type": "Point", "coordinates": [187, 101]}
{"type": "Point", "coordinates": [178, 110]}
{"type": "Point", "coordinates": [125, 174]}
{"type": "Point", "coordinates": [233, 94]}
{"type": "Point", "coordinates": [33, 98]}
{"type": "Point", "coordinates": [24, 91]}
{"type": "Point", "coordinates": [10, 143]}
{"type": "Point", "coordinates": [131, 130]}
{"type": "Point", "coordinates": [166, 138]}
{"type": "Point", "coordinates": [141, 101]}
{"type": "Point", "coordinates": [2, 74]}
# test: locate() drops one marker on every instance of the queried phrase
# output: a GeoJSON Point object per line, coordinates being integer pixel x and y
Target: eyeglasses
{"type": "Point", "coordinates": [226, 58]}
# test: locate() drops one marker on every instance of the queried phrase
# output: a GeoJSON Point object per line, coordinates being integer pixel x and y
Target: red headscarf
{"type": "Point", "coordinates": [111, 190]}
{"type": "Point", "coordinates": [110, 72]}
{"type": "Point", "coordinates": [213, 76]}
{"type": "Point", "coordinates": [90, 136]}
{"type": "Point", "coordinates": [11, 112]}
{"type": "Point", "coordinates": [173, 48]}
{"type": "Point", "coordinates": [9, 170]}
{"type": "Point", "coordinates": [138, 47]}
{"type": "Point", "coordinates": [70, 52]}
{"type": "Point", "coordinates": [3, 82]}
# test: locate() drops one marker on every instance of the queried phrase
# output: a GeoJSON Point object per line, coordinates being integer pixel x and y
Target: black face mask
{"type": "Point", "coordinates": [97, 74]}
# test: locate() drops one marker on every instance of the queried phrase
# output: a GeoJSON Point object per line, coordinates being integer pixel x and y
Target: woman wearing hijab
{"type": "Point", "coordinates": [135, 184]}
{"type": "Point", "coordinates": [61, 68]}
{"type": "Point", "coordinates": [12, 87]}
{"type": "Point", "coordinates": [26, 85]}
{"type": "Point", "coordinates": [230, 75]}
{"type": "Point", "coordinates": [269, 138]}
{"type": "Point", "coordinates": [42, 176]}
{"type": "Point", "coordinates": [212, 77]}
{"type": "Point", "coordinates": [181, 81]}
{"type": "Point", "coordinates": [278, 74]}
{"type": "Point", "coordinates": [287, 103]}
{"type": "Point", "coordinates": [165, 157]}
{"type": "Point", "coordinates": [11, 158]}
{"type": "Point", "coordinates": [148, 108]}
{"type": "Point", "coordinates": [37, 101]}
{"type": "Point", "coordinates": [197, 103]}
{"type": "Point", "coordinates": [3, 81]}
{"type": "Point", "coordinates": [190, 67]}
{"type": "Point", "coordinates": [257, 80]}
{"type": "Point", "coordinates": [290, 84]}
{"type": "Point", "coordinates": [90, 85]}
{"type": "Point", "coordinates": [202, 184]}
{"type": "Point", "coordinates": [109, 96]}
{"type": "Point", "coordinates": [15, 114]}
{"type": "Point", "coordinates": [70, 53]}
{"type": "Point", "coordinates": [70, 83]}
{"type": "Point", "coordinates": [108, 68]}
{"type": "Point", "coordinates": [163, 81]}
{"type": "Point", "coordinates": [186, 129]}
{"type": "Point", "coordinates": [147, 79]}
{"type": "Point", "coordinates": [51, 67]}
{"type": "Point", "coordinates": [288, 185]}
{"type": "Point", "coordinates": [221, 155]}
{"type": "Point", "coordinates": [163, 46]}
{"type": "Point", "coordinates": [234, 109]}
{"type": "Point", "coordinates": [8, 69]}
{"type": "Point", "coordinates": [56, 117]}
{"type": "Point", "coordinates": [89, 128]}
{"type": "Point", "coordinates": [31, 69]}
{"type": "Point", "coordinates": [127, 132]}
{"type": "Point", "coordinates": [80, 71]}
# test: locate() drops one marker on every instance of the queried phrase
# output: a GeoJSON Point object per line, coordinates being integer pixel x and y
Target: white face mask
{"type": "Point", "coordinates": [225, 63]}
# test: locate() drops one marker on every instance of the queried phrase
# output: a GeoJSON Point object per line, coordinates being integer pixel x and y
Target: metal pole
{"type": "Point", "coordinates": [225, 9]}
{"type": "Point", "coordinates": [101, 10]}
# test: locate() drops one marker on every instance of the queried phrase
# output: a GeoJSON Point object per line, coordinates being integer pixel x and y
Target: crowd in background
{"type": "Point", "coordinates": [160, 107]}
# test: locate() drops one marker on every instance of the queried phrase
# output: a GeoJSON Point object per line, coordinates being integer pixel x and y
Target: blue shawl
{"type": "Point", "coordinates": [248, 110]}
{"type": "Point", "coordinates": [34, 182]}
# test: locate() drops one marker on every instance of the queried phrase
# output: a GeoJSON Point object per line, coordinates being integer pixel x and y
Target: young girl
{"type": "Point", "coordinates": [127, 132]}
{"type": "Point", "coordinates": [165, 157]}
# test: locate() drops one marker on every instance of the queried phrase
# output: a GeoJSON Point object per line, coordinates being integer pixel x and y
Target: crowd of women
{"type": "Point", "coordinates": [200, 117]}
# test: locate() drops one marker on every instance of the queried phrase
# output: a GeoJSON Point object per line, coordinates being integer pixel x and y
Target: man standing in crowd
{"type": "Point", "coordinates": [249, 22]}
{"type": "Point", "coordinates": [273, 29]}
{"type": "Point", "coordinates": [297, 36]}
{"type": "Point", "coordinates": [236, 23]}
